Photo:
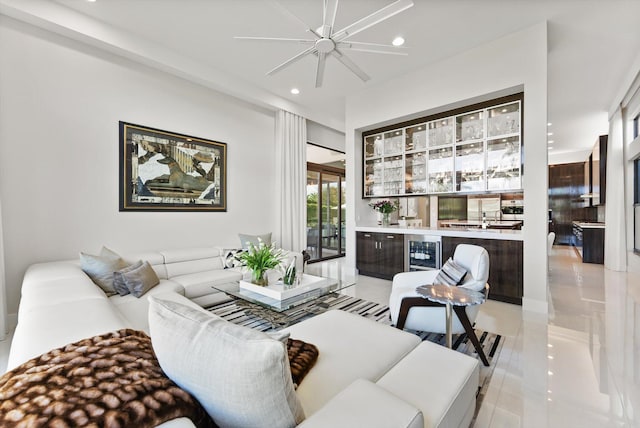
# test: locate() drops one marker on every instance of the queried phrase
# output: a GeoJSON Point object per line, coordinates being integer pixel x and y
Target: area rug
{"type": "Point", "coordinates": [253, 316]}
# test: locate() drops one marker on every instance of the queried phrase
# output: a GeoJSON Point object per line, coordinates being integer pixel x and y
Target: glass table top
{"type": "Point", "coordinates": [327, 286]}
{"type": "Point", "coordinates": [446, 294]}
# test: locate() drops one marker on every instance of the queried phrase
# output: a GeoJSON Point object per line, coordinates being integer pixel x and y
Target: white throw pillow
{"type": "Point", "coordinates": [240, 376]}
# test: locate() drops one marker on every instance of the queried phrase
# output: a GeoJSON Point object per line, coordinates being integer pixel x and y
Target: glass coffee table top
{"type": "Point", "coordinates": [329, 285]}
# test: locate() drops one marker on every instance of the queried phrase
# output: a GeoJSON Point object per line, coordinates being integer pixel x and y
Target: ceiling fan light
{"type": "Point", "coordinates": [398, 41]}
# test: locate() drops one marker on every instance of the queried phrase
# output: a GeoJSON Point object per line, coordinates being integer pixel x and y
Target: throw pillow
{"type": "Point", "coordinates": [229, 259]}
{"type": "Point", "coordinates": [118, 279]}
{"type": "Point", "coordinates": [141, 279]}
{"type": "Point", "coordinates": [254, 239]}
{"type": "Point", "coordinates": [101, 268]}
{"type": "Point", "coordinates": [239, 375]}
{"type": "Point", "coordinates": [451, 273]}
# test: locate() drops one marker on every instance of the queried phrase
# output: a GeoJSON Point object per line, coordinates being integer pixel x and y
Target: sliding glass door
{"type": "Point", "coordinates": [325, 212]}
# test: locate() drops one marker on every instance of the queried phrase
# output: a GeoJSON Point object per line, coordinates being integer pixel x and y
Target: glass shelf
{"type": "Point", "coordinates": [416, 173]}
{"type": "Point", "coordinates": [373, 146]}
{"type": "Point", "coordinates": [373, 177]}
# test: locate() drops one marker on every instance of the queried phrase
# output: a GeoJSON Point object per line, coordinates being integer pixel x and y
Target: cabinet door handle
{"type": "Point", "coordinates": [390, 237]}
{"type": "Point", "coordinates": [366, 235]}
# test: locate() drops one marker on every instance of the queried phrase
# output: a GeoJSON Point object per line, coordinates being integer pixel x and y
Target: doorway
{"type": "Point", "coordinates": [326, 217]}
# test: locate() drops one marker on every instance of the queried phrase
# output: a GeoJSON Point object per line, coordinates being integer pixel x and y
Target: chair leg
{"type": "Point", "coordinates": [406, 304]}
{"type": "Point", "coordinates": [464, 319]}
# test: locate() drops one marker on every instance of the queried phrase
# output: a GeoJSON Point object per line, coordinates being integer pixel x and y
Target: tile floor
{"type": "Point", "coordinates": [580, 367]}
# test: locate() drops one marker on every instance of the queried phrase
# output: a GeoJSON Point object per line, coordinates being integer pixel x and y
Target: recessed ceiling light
{"type": "Point", "coordinates": [549, 124]}
{"type": "Point", "coordinates": [295, 91]}
{"type": "Point", "coordinates": [549, 134]}
{"type": "Point", "coordinates": [91, 1]}
{"type": "Point", "coordinates": [549, 148]}
{"type": "Point", "coordinates": [550, 141]}
{"type": "Point", "coordinates": [398, 41]}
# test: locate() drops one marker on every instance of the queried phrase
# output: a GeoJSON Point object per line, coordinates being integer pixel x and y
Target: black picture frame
{"type": "Point", "coordinates": [168, 171]}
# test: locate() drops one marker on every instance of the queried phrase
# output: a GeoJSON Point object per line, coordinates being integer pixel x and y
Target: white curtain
{"type": "Point", "coordinates": [3, 293]}
{"type": "Point", "coordinates": [615, 247]}
{"type": "Point", "coordinates": [291, 173]}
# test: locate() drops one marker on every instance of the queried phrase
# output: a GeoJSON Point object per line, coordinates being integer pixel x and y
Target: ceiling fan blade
{"type": "Point", "coordinates": [372, 47]}
{"type": "Point", "coordinates": [276, 39]}
{"type": "Point", "coordinates": [350, 65]}
{"type": "Point", "coordinates": [322, 59]}
{"type": "Point", "coordinates": [291, 15]}
{"type": "Point", "coordinates": [373, 19]}
{"type": "Point", "coordinates": [329, 15]}
{"type": "Point", "coordinates": [292, 60]}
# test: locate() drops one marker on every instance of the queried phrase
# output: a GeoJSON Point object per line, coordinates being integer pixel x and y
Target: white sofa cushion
{"type": "Point", "coordinates": [364, 404]}
{"type": "Point", "coordinates": [363, 349]}
{"type": "Point", "coordinates": [56, 325]}
{"type": "Point", "coordinates": [240, 376]}
{"type": "Point", "coordinates": [201, 283]}
{"type": "Point", "coordinates": [136, 310]}
{"type": "Point", "coordinates": [452, 374]}
{"type": "Point", "coordinates": [57, 291]}
{"type": "Point", "coordinates": [191, 260]}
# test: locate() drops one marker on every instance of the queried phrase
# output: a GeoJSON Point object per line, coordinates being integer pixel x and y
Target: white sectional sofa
{"type": "Point", "coordinates": [367, 374]}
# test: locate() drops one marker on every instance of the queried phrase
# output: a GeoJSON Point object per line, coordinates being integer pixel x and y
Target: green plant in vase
{"type": "Point", "coordinates": [259, 259]}
{"type": "Point", "coordinates": [386, 207]}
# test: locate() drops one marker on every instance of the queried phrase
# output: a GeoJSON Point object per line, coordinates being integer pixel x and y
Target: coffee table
{"type": "Point", "coordinates": [282, 313]}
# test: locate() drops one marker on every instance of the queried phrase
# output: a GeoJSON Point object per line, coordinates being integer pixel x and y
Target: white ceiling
{"type": "Point", "coordinates": [592, 46]}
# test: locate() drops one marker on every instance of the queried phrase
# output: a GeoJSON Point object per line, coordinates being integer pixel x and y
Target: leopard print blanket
{"type": "Point", "coordinates": [111, 380]}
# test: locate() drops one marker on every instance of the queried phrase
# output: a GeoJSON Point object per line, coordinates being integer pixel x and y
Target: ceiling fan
{"type": "Point", "coordinates": [327, 41]}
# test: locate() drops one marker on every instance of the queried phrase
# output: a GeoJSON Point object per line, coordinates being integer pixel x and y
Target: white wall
{"type": "Point", "coordinates": [515, 61]}
{"type": "Point", "coordinates": [59, 110]}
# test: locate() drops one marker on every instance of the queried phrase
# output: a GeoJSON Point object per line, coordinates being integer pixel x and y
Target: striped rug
{"type": "Point", "coordinates": [253, 316]}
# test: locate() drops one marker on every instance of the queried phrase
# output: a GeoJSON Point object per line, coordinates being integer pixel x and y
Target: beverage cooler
{"type": "Point", "coordinates": [422, 252]}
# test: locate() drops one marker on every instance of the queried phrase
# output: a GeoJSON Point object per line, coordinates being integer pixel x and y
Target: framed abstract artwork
{"type": "Point", "coordinates": [168, 171]}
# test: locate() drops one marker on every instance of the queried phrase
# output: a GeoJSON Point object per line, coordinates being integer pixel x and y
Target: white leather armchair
{"type": "Point", "coordinates": [410, 310]}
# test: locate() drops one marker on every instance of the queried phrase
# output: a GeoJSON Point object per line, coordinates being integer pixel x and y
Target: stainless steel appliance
{"type": "Point", "coordinates": [512, 209]}
{"type": "Point", "coordinates": [422, 252]}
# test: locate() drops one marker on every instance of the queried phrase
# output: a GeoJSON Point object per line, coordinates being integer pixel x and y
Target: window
{"type": "Point", "coordinates": [636, 201]}
{"type": "Point", "coordinates": [635, 126]}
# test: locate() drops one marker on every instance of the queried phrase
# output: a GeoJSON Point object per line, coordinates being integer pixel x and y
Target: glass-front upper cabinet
{"type": "Point", "coordinates": [503, 164]}
{"type": "Point", "coordinates": [393, 175]}
{"type": "Point", "coordinates": [470, 126]}
{"type": "Point", "coordinates": [503, 120]}
{"type": "Point", "coordinates": [440, 170]}
{"type": "Point", "coordinates": [416, 173]}
{"type": "Point", "coordinates": [470, 167]}
{"type": "Point", "coordinates": [393, 142]}
{"type": "Point", "coordinates": [474, 149]}
{"type": "Point", "coordinates": [441, 132]}
{"type": "Point", "coordinates": [373, 146]}
{"type": "Point", "coordinates": [415, 138]}
{"type": "Point", "coordinates": [373, 171]}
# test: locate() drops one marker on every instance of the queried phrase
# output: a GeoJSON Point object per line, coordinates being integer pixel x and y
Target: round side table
{"type": "Point", "coordinates": [450, 296]}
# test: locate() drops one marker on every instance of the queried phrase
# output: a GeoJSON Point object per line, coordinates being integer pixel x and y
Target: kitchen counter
{"type": "Point", "coordinates": [501, 224]}
{"type": "Point", "coordinates": [584, 225]}
{"type": "Point", "coordinates": [510, 235]}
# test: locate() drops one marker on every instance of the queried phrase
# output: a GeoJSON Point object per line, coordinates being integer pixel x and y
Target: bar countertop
{"type": "Point", "coordinates": [509, 235]}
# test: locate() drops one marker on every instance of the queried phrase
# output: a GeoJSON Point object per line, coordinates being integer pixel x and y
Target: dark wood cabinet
{"type": "Point", "coordinates": [506, 277]}
{"type": "Point", "coordinates": [566, 184]}
{"type": "Point", "coordinates": [379, 254]}
{"type": "Point", "coordinates": [589, 242]}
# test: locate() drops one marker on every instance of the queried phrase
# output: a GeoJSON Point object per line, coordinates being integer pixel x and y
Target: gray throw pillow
{"type": "Point", "coordinates": [101, 268]}
{"type": "Point", "coordinates": [141, 279]}
{"type": "Point", "coordinates": [254, 239]}
{"type": "Point", "coordinates": [450, 274]}
{"type": "Point", "coordinates": [239, 375]}
{"type": "Point", "coordinates": [118, 278]}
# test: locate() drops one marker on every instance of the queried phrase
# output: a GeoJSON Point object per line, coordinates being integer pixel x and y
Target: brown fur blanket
{"type": "Point", "coordinates": [302, 357]}
{"type": "Point", "coordinates": [112, 380]}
